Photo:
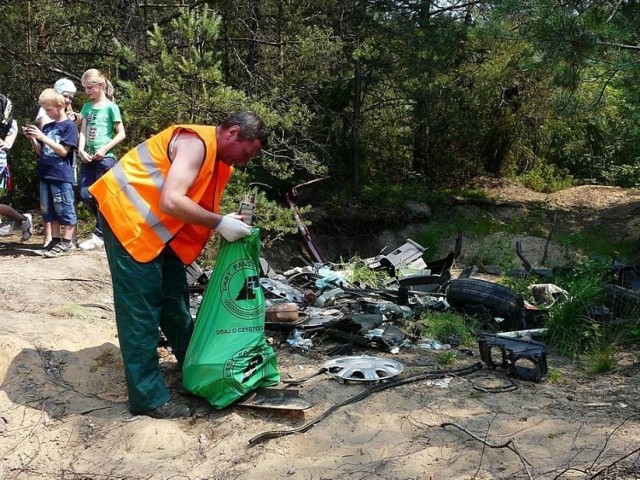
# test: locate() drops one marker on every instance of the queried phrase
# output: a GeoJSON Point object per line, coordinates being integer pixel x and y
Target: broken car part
{"type": "Point", "coordinates": [407, 255]}
{"type": "Point", "coordinates": [622, 301]}
{"type": "Point", "coordinates": [541, 272]}
{"type": "Point", "coordinates": [275, 399]}
{"type": "Point", "coordinates": [292, 200]}
{"type": "Point", "coordinates": [363, 369]}
{"type": "Point", "coordinates": [196, 277]}
{"type": "Point", "coordinates": [276, 289]}
{"type": "Point", "coordinates": [524, 359]}
{"type": "Point", "coordinates": [247, 206]}
{"type": "Point", "coordinates": [248, 202]}
{"type": "Point", "coordinates": [548, 293]}
{"type": "Point", "coordinates": [508, 386]}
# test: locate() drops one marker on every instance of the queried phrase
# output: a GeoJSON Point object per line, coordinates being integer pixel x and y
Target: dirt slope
{"type": "Point", "coordinates": [63, 411]}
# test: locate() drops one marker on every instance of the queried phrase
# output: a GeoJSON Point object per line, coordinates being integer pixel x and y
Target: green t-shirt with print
{"type": "Point", "coordinates": [100, 125]}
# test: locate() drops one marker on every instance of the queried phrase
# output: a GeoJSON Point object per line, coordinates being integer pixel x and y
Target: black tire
{"type": "Point", "coordinates": [475, 296]}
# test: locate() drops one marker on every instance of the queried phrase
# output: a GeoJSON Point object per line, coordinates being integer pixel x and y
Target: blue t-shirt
{"type": "Point", "coordinates": [52, 166]}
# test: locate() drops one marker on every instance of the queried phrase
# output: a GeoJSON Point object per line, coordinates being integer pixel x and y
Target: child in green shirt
{"type": "Point", "coordinates": [102, 129]}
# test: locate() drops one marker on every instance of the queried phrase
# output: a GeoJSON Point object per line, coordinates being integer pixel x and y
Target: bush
{"type": "Point", "coordinates": [625, 176]}
{"type": "Point", "coordinates": [546, 178]}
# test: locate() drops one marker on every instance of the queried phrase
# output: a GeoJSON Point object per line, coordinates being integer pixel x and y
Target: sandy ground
{"type": "Point", "coordinates": [63, 410]}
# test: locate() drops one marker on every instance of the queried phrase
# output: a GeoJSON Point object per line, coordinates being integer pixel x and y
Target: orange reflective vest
{"type": "Point", "coordinates": [128, 196]}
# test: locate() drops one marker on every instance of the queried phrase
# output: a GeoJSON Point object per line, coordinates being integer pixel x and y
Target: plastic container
{"type": "Point", "coordinates": [282, 312]}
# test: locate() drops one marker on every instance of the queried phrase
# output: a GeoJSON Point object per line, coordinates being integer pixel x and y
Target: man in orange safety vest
{"type": "Point", "coordinates": [158, 206]}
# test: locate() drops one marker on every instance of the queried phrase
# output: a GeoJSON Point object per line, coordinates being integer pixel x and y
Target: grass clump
{"type": "Point", "coordinates": [594, 242]}
{"type": "Point", "coordinates": [602, 358]}
{"type": "Point", "coordinates": [446, 358]}
{"type": "Point", "coordinates": [554, 375]}
{"type": "Point", "coordinates": [571, 328]}
{"type": "Point", "coordinates": [479, 225]}
{"type": "Point", "coordinates": [494, 250]}
{"type": "Point", "coordinates": [449, 327]}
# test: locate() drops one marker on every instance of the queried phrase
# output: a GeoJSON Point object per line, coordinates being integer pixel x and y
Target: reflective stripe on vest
{"type": "Point", "coordinates": [134, 197]}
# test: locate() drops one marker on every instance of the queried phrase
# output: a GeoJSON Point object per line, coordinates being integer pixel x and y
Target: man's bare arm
{"type": "Point", "coordinates": [187, 151]}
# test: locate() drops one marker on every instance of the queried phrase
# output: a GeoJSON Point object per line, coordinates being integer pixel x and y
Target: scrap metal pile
{"type": "Point", "coordinates": [322, 299]}
{"type": "Point", "coordinates": [304, 303]}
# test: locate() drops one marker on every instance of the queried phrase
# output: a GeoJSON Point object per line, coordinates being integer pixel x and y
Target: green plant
{"type": "Point", "coordinates": [571, 328]}
{"type": "Point", "coordinates": [602, 358]}
{"type": "Point", "coordinates": [626, 176]}
{"type": "Point", "coordinates": [546, 178]}
{"type": "Point", "coordinates": [386, 194]}
{"type": "Point", "coordinates": [629, 333]}
{"type": "Point", "coordinates": [447, 357]}
{"type": "Point", "coordinates": [592, 242]}
{"type": "Point", "coordinates": [72, 310]}
{"type": "Point", "coordinates": [520, 285]}
{"type": "Point", "coordinates": [494, 250]}
{"type": "Point", "coordinates": [554, 375]}
{"type": "Point", "coordinates": [446, 327]}
{"type": "Point", "coordinates": [439, 236]}
{"type": "Point", "coordinates": [357, 272]}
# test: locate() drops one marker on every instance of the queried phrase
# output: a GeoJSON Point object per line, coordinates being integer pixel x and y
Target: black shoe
{"type": "Point", "coordinates": [171, 409]}
{"type": "Point", "coordinates": [52, 243]}
{"type": "Point", "coordinates": [59, 250]}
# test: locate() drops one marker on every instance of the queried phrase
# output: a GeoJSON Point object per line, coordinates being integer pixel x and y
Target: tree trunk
{"type": "Point", "coordinates": [420, 137]}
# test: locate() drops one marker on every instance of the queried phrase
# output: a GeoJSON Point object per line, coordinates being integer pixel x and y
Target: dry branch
{"type": "Point", "coordinates": [508, 445]}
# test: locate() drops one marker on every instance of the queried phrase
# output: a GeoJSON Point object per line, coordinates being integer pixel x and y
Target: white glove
{"type": "Point", "coordinates": [231, 228]}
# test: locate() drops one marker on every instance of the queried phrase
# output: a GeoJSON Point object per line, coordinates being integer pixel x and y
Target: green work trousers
{"type": "Point", "coordinates": [147, 296]}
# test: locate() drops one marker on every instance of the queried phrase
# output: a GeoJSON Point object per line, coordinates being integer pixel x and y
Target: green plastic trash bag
{"type": "Point", "coordinates": [228, 356]}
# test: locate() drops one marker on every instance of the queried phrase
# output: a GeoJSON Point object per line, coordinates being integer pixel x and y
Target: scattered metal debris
{"type": "Point", "coordinates": [318, 301]}
{"type": "Point", "coordinates": [524, 359]}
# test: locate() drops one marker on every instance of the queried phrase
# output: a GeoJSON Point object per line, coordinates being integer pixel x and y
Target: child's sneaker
{"type": "Point", "coordinates": [6, 229]}
{"type": "Point", "coordinates": [27, 227]}
{"type": "Point", "coordinates": [94, 242]}
{"type": "Point", "coordinates": [50, 244]}
{"type": "Point", "coordinates": [59, 250]}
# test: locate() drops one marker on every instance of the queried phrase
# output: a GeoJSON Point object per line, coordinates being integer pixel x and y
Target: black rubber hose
{"type": "Point", "coordinates": [378, 387]}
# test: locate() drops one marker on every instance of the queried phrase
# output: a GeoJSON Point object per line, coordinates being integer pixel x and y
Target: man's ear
{"type": "Point", "coordinates": [232, 132]}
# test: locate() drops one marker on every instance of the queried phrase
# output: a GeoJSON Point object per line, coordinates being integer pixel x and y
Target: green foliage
{"type": "Point", "coordinates": [443, 326]}
{"type": "Point", "coordinates": [178, 78]}
{"type": "Point", "coordinates": [595, 242]}
{"type": "Point", "coordinates": [571, 328]}
{"type": "Point", "coordinates": [602, 358]}
{"type": "Point", "coordinates": [357, 273]}
{"type": "Point", "coordinates": [447, 357]}
{"type": "Point", "coordinates": [388, 194]}
{"type": "Point", "coordinates": [477, 225]}
{"type": "Point", "coordinates": [545, 178]}
{"type": "Point", "coordinates": [387, 97]}
{"type": "Point", "coordinates": [626, 176]}
{"type": "Point", "coordinates": [554, 375]}
{"type": "Point", "coordinates": [391, 97]}
{"type": "Point", "coordinates": [494, 250]}
{"type": "Point", "coordinates": [520, 285]}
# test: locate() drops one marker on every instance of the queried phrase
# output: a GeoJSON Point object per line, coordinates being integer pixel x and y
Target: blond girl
{"type": "Point", "coordinates": [101, 130]}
